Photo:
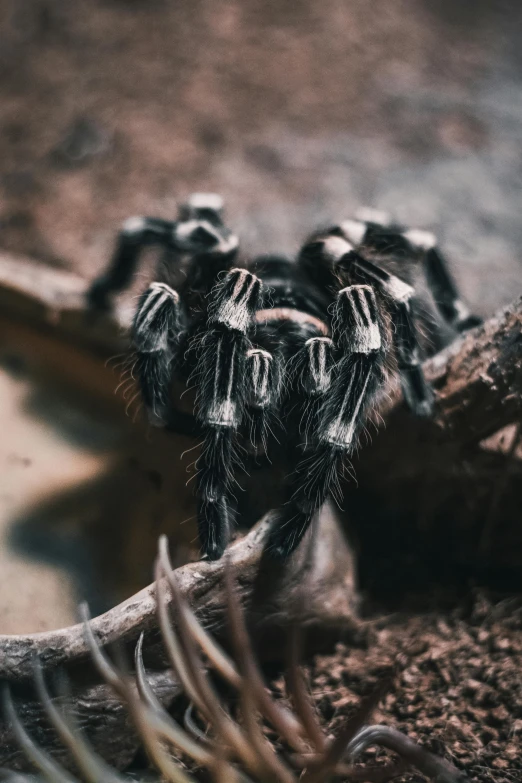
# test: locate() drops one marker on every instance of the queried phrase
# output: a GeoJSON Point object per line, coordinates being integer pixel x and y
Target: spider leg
{"type": "Point", "coordinates": [417, 392]}
{"type": "Point", "coordinates": [263, 387]}
{"type": "Point", "coordinates": [209, 247]}
{"type": "Point", "coordinates": [445, 293]}
{"type": "Point", "coordinates": [376, 230]}
{"type": "Point", "coordinates": [332, 257]}
{"type": "Point", "coordinates": [136, 234]}
{"type": "Point", "coordinates": [354, 380]}
{"type": "Point", "coordinates": [200, 227]}
{"type": "Point", "coordinates": [314, 366]}
{"type": "Point", "coordinates": [398, 294]}
{"type": "Point", "coordinates": [312, 378]}
{"type": "Point", "coordinates": [156, 331]}
{"type": "Point", "coordinates": [199, 231]}
{"type": "Point", "coordinates": [200, 238]}
{"type": "Point", "coordinates": [221, 401]}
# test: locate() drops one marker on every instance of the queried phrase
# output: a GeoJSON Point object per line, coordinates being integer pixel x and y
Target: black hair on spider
{"type": "Point", "coordinates": [259, 340]}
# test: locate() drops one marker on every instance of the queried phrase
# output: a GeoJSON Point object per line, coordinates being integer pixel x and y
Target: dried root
{"type": "Point", "coordinates": [235, 747]}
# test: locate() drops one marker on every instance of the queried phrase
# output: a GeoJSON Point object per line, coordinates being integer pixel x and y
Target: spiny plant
{"type": "Point", "coordinates": [235, 748]}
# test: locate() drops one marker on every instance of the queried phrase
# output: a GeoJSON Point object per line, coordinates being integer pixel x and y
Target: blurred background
{"type": "Point", "coordinates": [297, 113]}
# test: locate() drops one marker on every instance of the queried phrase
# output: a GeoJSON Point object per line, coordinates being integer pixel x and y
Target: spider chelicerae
{"type": "Point", "coordinates": [303, 347]}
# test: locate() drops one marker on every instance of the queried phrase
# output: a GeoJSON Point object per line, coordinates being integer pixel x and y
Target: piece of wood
{"type": "Point", "coordinates": [101, 714]}
{"type": "Point", "coordinates": [315, 588]}
{"type": "Point", "coordinates": [320, 575]}
{"type": "Point", "coordinates": [422, 483]}
{"type": "Point", "coordinates": [477, 380]}
{"type": "Point", "coordinates": [55, 301]}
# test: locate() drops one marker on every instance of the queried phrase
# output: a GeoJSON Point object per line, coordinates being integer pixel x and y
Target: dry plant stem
{"type": "Point", "coordinates": [193, 729]}
{"type": "Point", "coordinates": [184, 655]}
{"type": "Point", "coordinates": [282, 720]}
{"type": "Point", "coordinates": [300, 697]}
{"type": "Point", "coordinates": [354, 737]}
{"type": "Point", "coordinates": [52, 771]}
{"type": "Point", "coordinates": [155, 727]}
{"type": "Point", "coordinates": [327, 762]}
{"type": "Point", "coordinates": [220, 660]}
{"type": "Point", "coordinates": [91, 768]}
{"type": "Point", "coordinates": [329, 569]}
{"type": "Point", "coordinates": [432, 766]}
{"type": "Point", "coordinates": [274, 769]}
{"type": "Point", "coordinates": [253, 693]}
{"type": "Point", "coordinates": [142, 718]}
{"type": "Point", "coordinates": [164, 724]}
{"type": "Point", "coordinates": [156, 753]}
{"type": "Point", "coordinates": [152, 728]}
{"type": "Point", "coordinates": [173, 646]}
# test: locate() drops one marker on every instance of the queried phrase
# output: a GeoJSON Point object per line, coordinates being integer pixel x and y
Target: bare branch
{"type": "Point", "coordinates": [477, 379]}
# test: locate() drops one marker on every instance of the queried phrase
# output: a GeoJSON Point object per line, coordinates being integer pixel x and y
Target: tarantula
{"type": "Point", "coordinates": [308, 342]}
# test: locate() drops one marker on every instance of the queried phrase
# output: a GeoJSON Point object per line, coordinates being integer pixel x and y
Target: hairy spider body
{"type": "Point", "coordinates": [307, 344]}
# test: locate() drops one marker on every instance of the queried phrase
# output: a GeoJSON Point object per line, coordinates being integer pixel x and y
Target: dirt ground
{"type": "Point", "coordinates": [457, 687]}
{"type": "Point", "coordinates": [296, 113]}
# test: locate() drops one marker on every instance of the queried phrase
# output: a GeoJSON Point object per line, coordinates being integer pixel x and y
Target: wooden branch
{"type": "Point", "coordinates": [55, 301]}
{"type": "Point", "coordinates": [316, 588]}
{"type": "Point", "coordinates": [103, 716]}
{"type": "Point", "coordinates": [477, 380]}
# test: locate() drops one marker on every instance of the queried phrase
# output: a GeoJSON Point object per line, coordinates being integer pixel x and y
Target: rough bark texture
{"type": "Point", "coordinates": [102, 715]}
{"type": "Point", "coordinates": [477, 379]}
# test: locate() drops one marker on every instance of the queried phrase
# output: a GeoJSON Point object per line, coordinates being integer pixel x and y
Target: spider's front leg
{"type": "Point", "coordinates": [357, 335]}
{"type": "Point", "coordinates": [225, 361]}
{"type": "Point", "coordinates": [198, 234]}
{"type": "Point", "coordinates": [330, 259]}
{"type": "Point", "coordinates": [398, 295]}
{"type": "Point", "coordinates": [445, 292]}
{"type": "Point", "coordinates": [136, 234]}
{"type": "Point", "coordinates": [156, 332]}
{"type": "Point", "coordinates": [374, 229]}
{"type": "Point", "coordinates": [200, 239]}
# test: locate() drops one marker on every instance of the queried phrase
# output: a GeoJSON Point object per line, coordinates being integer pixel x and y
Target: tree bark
{"type": "Point", "coordinates": [477, 380]}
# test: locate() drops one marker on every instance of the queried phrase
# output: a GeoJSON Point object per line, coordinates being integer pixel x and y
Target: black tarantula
{"type": "Point", "coordinates": [309, 342]}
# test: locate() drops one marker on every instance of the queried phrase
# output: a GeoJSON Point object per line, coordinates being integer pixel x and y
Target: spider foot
{"type": "Point", "coordinates": [288, 528]}
{"type": "Point", "coordinates": [214, 527]}
{"type": "Point", "coordinates": [469, 323]}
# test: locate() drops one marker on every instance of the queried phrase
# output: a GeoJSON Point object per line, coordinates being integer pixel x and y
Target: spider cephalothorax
{"type": "Point", "coordinates": [307, 343]}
